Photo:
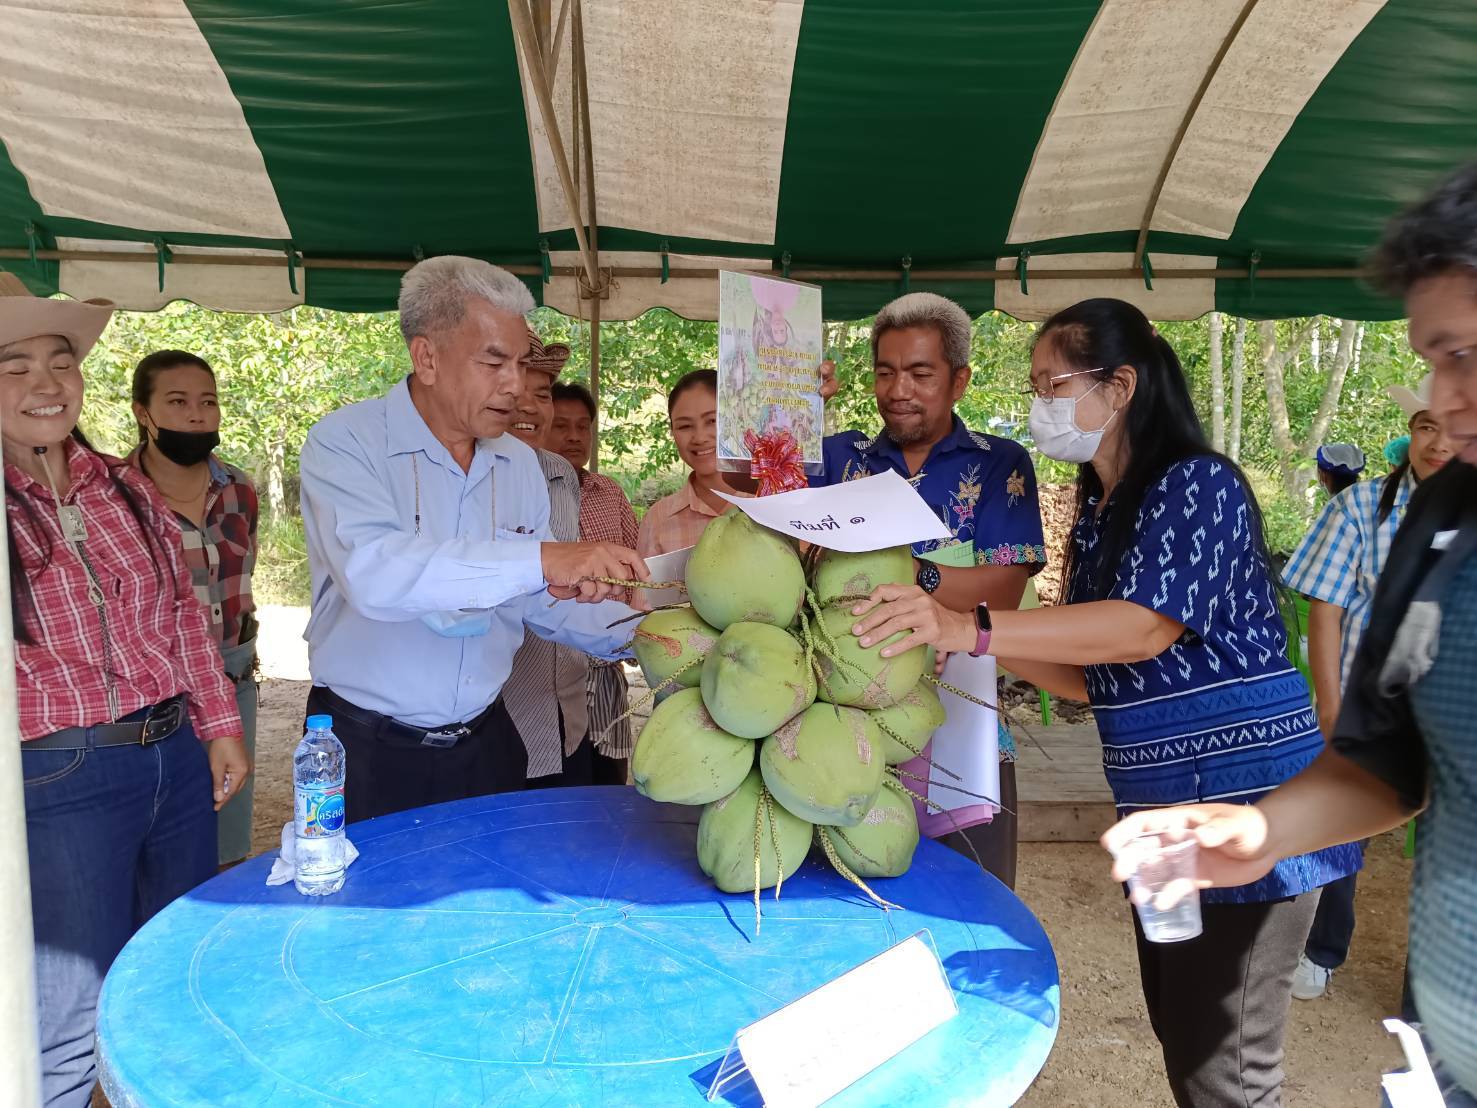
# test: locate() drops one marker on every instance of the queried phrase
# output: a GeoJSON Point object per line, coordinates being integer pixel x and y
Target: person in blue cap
{"type": "Point", "coordinates": [1339, 466]}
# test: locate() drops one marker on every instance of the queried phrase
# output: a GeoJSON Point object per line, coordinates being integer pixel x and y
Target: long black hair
{"type": "Point", "coordinates": [21, 599]}
{"type": "Point", "coordinates": [1390, 488]}
{"type": "Point", "coordinates": [1160, 426]}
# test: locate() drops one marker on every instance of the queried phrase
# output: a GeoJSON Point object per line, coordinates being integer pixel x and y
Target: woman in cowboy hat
{"type": "Point", "coordinates": [118, 679]}
{"type": "Point", "coordinates": [1336, 567]}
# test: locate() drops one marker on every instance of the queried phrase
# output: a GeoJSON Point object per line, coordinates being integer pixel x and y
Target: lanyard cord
{"type": "Point", "coordinates": [74, 532]}
{"type": "Point", "coordinates": [415, 471]}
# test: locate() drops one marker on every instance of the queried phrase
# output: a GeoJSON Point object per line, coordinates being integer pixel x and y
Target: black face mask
{"type": "Point", "coordinates": [185, 448]}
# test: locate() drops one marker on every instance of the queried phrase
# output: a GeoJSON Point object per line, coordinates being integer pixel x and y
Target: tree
{"type": "Point", "coordinates": [1292, 455]}
{"type": "Point", "coordinates": [1217, 383]}
{"type": "Point", "coordinates": [1238, 382]}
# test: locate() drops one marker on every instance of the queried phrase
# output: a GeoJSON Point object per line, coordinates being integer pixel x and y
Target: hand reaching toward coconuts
{"type": "Point", "coordinates": [907, 609]}
{"type": "Point", "coordinates": [584, 571]}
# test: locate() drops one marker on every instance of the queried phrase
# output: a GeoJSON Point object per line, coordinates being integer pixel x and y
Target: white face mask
{"type": "Point", "coordinates": [459, 625]}
{"type": "Point", "coordinates": [1055, 431]}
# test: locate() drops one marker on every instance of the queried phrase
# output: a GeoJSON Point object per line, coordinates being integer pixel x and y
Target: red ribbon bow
{"type": "Point", "coordinates": [775, 461]}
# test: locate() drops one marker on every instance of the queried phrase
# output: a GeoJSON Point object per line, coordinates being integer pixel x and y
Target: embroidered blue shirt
{"type": "Point", "coordinates": [1221, 715]}
{"type": "Point", "coordinates": [983, 488]}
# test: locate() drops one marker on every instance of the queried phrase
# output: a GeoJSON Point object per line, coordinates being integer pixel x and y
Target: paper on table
{"type": "Point", "coordinates": [968, 742]}
{"type": "Point", "coordinates": [667, 567]}
{"type": "Point", "coordinates": [811, 1049]}
{"type": "Point", "coordinates": [871, 513]}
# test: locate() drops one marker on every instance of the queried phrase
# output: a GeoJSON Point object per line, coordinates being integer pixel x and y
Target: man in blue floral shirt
{"type": "Point", "coordinates": [982, 487]}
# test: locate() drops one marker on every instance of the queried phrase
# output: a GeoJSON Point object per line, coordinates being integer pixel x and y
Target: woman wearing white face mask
{"type": "Point", "coordinates": [1171, 631]}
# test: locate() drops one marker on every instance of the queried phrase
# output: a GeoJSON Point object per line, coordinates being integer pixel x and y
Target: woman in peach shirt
{"type": "Point", "coordinates": [677, 521]}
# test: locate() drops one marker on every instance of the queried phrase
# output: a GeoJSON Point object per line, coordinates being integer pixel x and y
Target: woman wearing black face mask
{"type": "Point", "coordinates": [178, 413]}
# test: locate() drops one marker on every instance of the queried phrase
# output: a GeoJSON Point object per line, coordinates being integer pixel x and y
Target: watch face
{"type": "Point", "coordinates": [929, 577]}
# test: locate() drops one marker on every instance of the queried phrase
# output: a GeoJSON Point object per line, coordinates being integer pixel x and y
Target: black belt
{"type": "Point", "coordinates": [141, 728]}
{"type": "Point", "coordinates": [396, 733]}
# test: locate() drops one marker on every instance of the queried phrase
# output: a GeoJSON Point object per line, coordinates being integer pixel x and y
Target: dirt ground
{"type": "Point", "coordinates": [1105, 1055]}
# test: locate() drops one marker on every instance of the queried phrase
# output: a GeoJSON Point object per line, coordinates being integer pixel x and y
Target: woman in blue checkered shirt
{"type": "Point", "coordinates": [1336, 568]}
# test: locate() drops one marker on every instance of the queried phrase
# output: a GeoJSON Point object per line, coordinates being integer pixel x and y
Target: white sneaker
{"type": "Point", "coordinates": [1309, 980]}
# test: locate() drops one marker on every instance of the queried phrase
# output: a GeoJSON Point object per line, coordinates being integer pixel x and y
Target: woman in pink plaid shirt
{"type": "Point", "coordinates": [130, 739]}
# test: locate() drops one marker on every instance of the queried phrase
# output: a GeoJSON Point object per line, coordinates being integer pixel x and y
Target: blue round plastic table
{"type": "Point", "coordinates": [558, 947]}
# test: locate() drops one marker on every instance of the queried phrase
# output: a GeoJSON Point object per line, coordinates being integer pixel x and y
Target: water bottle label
{"type": "Point", "coordinates": [320, 811]}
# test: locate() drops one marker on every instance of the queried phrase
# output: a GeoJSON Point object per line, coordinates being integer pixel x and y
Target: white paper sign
{"type": "Point", "coordinates": [810, 1050]}
{"type": "Point", "coordinates": [871, 513]}
{"type": "Point", "coordinates": [968, 742]}
{"type": "Point", "coordinates": [668, 567]}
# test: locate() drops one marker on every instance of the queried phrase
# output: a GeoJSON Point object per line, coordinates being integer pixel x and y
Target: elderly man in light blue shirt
{"type": "Point", "coordinates": [428, 540]}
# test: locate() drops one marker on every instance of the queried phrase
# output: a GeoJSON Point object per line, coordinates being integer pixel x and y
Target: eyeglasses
{"type": "Point", "coordinates": [1048, 393]}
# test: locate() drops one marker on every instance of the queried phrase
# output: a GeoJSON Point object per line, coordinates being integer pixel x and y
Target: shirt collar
{"type": "Point", "coordinates": [82, 466]}
{"type": "Point", "coordinates": [958, 438]}
{"type": "Point", "coordinates": [689, 499]}
{"type": "Point", "coordinates": [407, 433]}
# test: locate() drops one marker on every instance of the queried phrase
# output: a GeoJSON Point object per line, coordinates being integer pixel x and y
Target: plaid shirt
{"type": "Point", "coordinates": [1340, 560]}
{"type": "Point", "coordinates": [605, 513]}
{"type": "Point", "coordinates": [606, 516]}
{"type": "Point", "coordinates": [161, 642]}
{"type": "Point", "coordinates": [222, 554]}
{"type": "Point", "coordinates": [674, 522]}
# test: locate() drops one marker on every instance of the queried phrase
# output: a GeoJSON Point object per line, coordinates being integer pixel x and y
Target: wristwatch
{"type": "Point", "coordinates": [929, 578]}
{"type": "Point", "coordinates": [982, 624]}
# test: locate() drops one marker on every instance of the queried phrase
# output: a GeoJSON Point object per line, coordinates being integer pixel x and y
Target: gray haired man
{"type": "Point", "coordinates": [429, 541]}
{"type": "Point", "coordinates": [982, 487]}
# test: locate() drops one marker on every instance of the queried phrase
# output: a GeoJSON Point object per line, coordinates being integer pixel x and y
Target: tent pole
{"type": "Point", "coordinates": [1174, 147]}
{"type": "Point", "coordinates": [757, 265]}
{"type": "Point", "coordinates": [595, 383]}
{"type": "Point", "coordinates": [538, 77]}
{"type": "Point", "coordinates": [19, 1051]}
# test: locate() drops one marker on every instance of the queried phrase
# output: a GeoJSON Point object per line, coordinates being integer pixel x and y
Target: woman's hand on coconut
{"type": "Point", "coordinates": [907, 608]}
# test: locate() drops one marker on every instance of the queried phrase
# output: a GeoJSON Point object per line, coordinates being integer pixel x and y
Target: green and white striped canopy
{"type": "Point", "coordinates": [1248, 150]}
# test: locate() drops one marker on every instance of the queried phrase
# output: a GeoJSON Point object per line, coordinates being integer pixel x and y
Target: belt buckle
{"type": "Point", "coordinates": [446, 738]}
{"type": "Point", "coordinates": [161, 726]}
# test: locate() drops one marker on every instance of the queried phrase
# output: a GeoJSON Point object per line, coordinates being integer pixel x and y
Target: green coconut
{"type": "Point", "coordinates": [755, 679]}
{"type": "Point", "coordinates": [683, 757]}
{"type": "Point", "coordinates": [840, 574]}
{"type": "Point", "coordinates": [725, 839]}
{"type": "Point", "coordinates": [882, 844]}
{"type": "Point", "coordinates": [825, 765]}
{"type": "Point", "coordinates": [672, 643]}
{"type": "Point", "coordinates": [863, 678]}
{"type": "Point", "coordinates": [913, 719]}
{"type": "Point", "coordinates": [741, 572]}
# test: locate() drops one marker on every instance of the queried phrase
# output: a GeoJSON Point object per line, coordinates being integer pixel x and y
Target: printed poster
{"type": "Point", "coordinates": [769, 354]}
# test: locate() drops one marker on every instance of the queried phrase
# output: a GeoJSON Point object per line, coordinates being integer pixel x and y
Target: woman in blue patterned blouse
{"type": "Point", "coordinates": [1171, 631]}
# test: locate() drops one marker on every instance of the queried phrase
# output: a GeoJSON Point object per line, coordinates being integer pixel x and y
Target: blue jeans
{"type": "Point", "coordinates": [114, 833]}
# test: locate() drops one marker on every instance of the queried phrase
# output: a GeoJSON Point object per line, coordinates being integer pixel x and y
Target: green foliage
{"type": "Point", "coordinates": [281, 575]}
{"type": "Point", "coordinates": [279, 374]}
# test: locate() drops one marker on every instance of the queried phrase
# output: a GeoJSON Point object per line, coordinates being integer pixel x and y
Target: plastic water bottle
{"type": "Point", "coordinates": [318, 809]}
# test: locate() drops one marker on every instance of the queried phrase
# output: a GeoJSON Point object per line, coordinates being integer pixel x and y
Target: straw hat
{"type": "Point", "coordinates": [23, 316]}
{"type": "Point", "coordinates": [1414, 400]}
{"type": "Point", "coordinates": [543, 358]}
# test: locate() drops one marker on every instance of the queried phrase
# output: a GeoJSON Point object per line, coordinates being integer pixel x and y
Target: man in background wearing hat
{"type": "Point", "coordinates": [1336, 567]}
{"type": "Point", "coordinates": [545, 692]}
{"type": "Point", "coordinates": [429, 539]}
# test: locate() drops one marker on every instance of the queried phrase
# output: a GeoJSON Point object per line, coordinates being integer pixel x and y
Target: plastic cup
{"type": "Point", "coordinates": [1157, 862]}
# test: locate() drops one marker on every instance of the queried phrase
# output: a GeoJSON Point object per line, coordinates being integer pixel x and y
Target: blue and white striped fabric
{"type": "Point", "coordinates": [1340, 560]}
{"type": "Point", "coordinates": [1220, 715]}
{"type": "Point", "coordinates": [1443, 894]}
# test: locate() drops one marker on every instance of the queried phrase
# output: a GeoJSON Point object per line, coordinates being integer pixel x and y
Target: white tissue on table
{"type": "Point", "coordinates": [284, 865]}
